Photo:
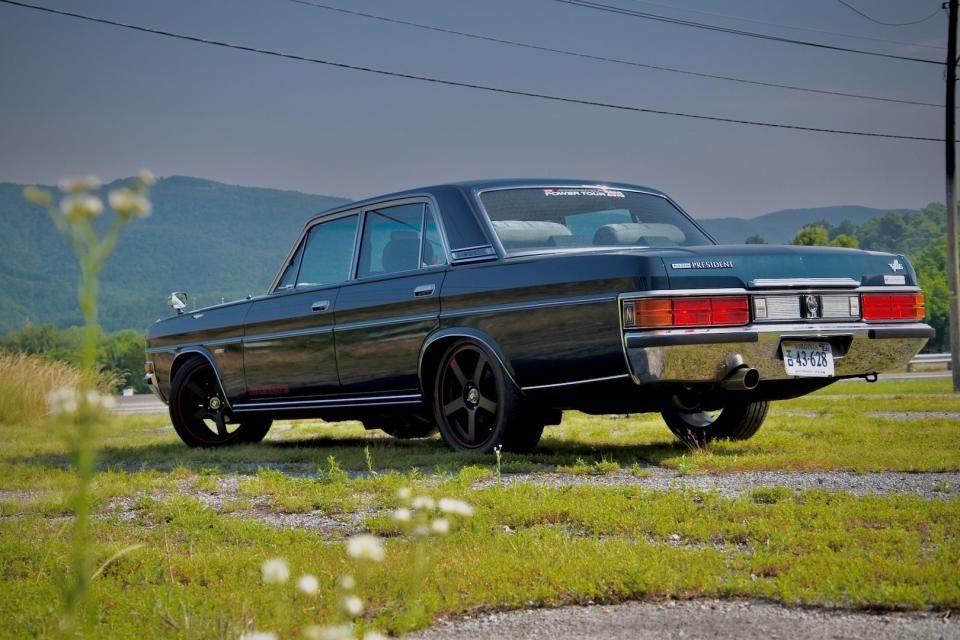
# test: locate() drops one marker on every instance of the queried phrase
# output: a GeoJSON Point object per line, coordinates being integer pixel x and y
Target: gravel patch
{"type": "Point", "coordinates": [915, 415]}
{"type": "Point", "coordinates": [732, 485]}
{"type": "Point", "coordinates": [744, 620]}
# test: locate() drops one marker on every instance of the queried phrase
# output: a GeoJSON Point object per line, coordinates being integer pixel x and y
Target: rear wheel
{"type": "Point", "coordinates": [477, 406]}
{"type": "Point", "coordinates": [736, 421]}
{"type": "Point", "coordinates": [199, 412]}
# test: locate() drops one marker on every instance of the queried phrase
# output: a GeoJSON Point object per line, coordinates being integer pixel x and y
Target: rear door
{"type": "Point", "coordinates": [384, 315]}
{"type": "Point", "coordinates": [288, 339]}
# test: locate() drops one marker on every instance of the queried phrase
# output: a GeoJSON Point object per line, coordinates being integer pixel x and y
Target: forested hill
{"type": "Point", "coordinates": [780, 227]}
{"type": "Point", "coordinates": [210, 239]}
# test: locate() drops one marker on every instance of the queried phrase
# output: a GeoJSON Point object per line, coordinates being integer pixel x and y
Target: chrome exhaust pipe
{"type": "Point", "coordinates": [741, 379]}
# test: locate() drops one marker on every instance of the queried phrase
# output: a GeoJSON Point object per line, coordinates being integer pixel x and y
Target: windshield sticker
{"type": "Point", "coordinates": [606, 193]}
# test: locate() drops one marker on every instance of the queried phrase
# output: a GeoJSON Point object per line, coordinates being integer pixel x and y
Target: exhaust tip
{"type": "Point", "coordinates": [742, 379]}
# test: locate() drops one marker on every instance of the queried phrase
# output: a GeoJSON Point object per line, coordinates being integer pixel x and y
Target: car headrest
{"type": "Point", "coordinates": [628, 233]}
{"type": "Point", "coordinates": [402, 252]}
{"type": "Point", "coordinates": [528, 232]}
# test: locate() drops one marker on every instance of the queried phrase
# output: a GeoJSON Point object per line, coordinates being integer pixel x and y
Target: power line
{"type": "Point", "coordinates": [588, 4]}
{"type": "Point", "coordinates": [888, 24]}
{"type": "Point", "coordinates": [587, 56]}
{"type": "Point", "coordinates": [792, 26]}
{"type": "Point", "coordinates": [455, 83]}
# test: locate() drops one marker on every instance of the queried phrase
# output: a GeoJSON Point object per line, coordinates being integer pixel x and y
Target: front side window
{"type": "Point", "coordinates": [391, 240]}
{"type": "Point", "coordinates": [532, 219]}
{"type": "Point", "coordinates": [328, 253]}
{"type": "Point", "coordinates": [289, 277]}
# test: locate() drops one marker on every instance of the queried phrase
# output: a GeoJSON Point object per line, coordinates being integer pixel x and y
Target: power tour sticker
{"type": "Point", "coordinates": [603, 193]}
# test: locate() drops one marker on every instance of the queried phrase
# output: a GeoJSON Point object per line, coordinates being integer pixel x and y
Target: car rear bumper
{"type": "Point", "coordinates": [711, 354]}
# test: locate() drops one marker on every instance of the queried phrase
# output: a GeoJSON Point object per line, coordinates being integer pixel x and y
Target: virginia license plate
{"type": "Point", "coordinates": [808, 359]}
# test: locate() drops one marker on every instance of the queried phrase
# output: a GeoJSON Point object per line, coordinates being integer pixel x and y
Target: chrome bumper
{"type": "Point", "coordinates": [150, 379]}
{"type": "Point", "coordinates": [709, 355]}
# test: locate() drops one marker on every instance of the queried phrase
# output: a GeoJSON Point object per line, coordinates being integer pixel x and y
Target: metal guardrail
{"type": "Point", "coordinates": [929, 358]}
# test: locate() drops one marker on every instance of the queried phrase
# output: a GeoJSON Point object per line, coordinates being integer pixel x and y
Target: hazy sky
{"type": "Point", "coordinates": [80, 98]}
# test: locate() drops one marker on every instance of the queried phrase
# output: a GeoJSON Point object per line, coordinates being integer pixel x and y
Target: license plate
{"type": "Point", "coordinates": [808, 359]}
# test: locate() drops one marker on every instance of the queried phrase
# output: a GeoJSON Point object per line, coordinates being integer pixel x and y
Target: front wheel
{"type": "Point", "coordinates": [736, 421]}
{"type": "Point", "coordinates": [199, 413]}
{"type": "Point", "coordinates": [476, 405]}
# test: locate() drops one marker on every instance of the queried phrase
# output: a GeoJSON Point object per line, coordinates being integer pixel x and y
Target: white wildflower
{"type": "Point", "coordinates": [402, 515]}
{"type": "Point", "coordinates": [333, 632]}
{"type": "Point", "coordinates": [275, 571]}
{"type": "Point", "coordinates": [81, 207]}
{"type": "Point", "coordinates": [374, 635]}
{"type": "Point", "coordinates": [347, 583]}
{"type": "Point", "coordinates": [37, 196]}
{"type": "Point", "coordinates": [423, 503]}
{"type": "Point", "coordinates": [79, 185]}
{"type": "Point", "coordinates": [308, 585]}
{"type": "Point", "coordinates": [128, 203]}
{"type": "Point", "coordinates": [98, 401]}
{"type": "Point", "coordinates": [259, 635]}
{"type": "Point", "coordinates": [421, 530]}
{"type": "Point", "coordinates": [456, 507]}
{"type": "Point", "coordinates": [440, 526]}
{"type": "Point", "coordinates": [404, 493]}
{"type": "Point", "coordinates": [63, 400]}
{"type": "Point", "coordinates": [352, 605]}
{"type": "Point", "coordinates": [365, 547]}
{"type": "Point", "coordinates": [146, 177]}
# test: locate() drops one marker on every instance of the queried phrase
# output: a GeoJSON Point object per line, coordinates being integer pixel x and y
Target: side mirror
{"type": "Point", "coordinates": [178, 300]}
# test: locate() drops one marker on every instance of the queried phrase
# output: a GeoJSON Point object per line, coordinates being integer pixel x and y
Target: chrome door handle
{"type": "Point", "coordinates": [425, 290]}
{"type": "Point", "coordinates": [320, 305]}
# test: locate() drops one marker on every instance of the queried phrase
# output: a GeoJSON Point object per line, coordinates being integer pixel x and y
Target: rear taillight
{"type": "Point", "coordinates": [892, 306]}
{"type": "Point", "coordinates": [656, 313]}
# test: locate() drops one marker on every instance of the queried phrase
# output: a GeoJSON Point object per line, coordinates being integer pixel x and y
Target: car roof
{"type": "Point", "coordinates": [472, 186]}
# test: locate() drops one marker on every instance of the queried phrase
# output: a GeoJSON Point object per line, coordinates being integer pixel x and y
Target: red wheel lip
{"type": "Point", "coordinates": [199, 367]}
{"type": "Point", "coordinates": [443, 377]}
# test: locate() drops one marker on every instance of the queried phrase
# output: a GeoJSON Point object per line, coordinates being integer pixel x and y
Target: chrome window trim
{"type": "Point", "coordinates": [487, 224]}
{"type": "Point", "coordinates": [576, 382]}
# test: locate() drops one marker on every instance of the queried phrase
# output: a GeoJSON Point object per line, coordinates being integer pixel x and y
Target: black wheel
{"type": "Point", "coordinates": [736, 421]}
{"type": "Point", "coordinates": [199, 413]}
{"type": "Point", "coordinates": [477, 407]}
{"type": "Point", "coordinates": [403, 427]}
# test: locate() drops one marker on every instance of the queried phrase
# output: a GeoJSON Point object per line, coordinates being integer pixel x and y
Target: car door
{"type": "Point", "coordinates": [288, 342]}
{"type": "Point", "coordinates": [384, 315]}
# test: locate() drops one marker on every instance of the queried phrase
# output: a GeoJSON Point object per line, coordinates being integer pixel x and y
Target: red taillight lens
{"type": "Point", "coordinates": [686, 312]}
{"type": "Point", "coordinates": [892, 306]}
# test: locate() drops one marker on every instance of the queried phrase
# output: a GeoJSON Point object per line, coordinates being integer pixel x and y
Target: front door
{"type": "Point", "coordinates": [384, 315]}
{"type": "Point", "coordinates": [288, 342]}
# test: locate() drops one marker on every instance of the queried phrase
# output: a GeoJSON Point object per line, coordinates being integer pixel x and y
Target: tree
{"type": "Point", "coordinates": [931, 266]}
{"type": "Point", "coordinates": [843, 240]}
{"type": "Point", "coordinates": [812, 236]}
{"type": "Point", "coordinates": [756, 239]}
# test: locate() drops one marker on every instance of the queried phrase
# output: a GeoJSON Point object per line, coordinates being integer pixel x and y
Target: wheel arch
{"type": "Point", "coordinates": [185, 355]}
{"type": "Point", "coordinates": [437, 342]}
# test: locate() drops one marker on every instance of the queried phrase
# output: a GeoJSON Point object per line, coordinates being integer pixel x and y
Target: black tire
{"type": "Point", "coordinates": [199, 412]}
{"type": "Point", "coordinates": [736, 421]}
{"type": "Point", "coordinates": [404, 427]}
{"type": "Point", "coordinates": [476, 405]}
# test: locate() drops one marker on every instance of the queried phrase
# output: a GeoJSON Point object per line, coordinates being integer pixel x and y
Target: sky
{"type": "Point", "coordinates": [79, 98]}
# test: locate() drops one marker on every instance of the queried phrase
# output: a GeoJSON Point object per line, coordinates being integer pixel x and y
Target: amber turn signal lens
{"type": "Point", "coordinates": [893, 306]}
{"type": "Point", "coordinates": [148, 367]}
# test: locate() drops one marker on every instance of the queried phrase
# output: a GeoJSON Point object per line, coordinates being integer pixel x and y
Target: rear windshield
{"type": "Point", "coordinates": [532, 219]}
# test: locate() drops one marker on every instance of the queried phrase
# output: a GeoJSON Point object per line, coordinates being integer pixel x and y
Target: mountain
{"type": "Point", "coordinates": [214, 241]}
{"type": "Point", "coordinates": [210, 239]}
{"type": "Point", "coordinates": [780, 227]}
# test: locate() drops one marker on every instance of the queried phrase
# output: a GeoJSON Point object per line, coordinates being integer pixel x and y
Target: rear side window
{"type": "Point", "coordinates": [391, 240]}
{"type": "Point", "coordinates": [328, 253]}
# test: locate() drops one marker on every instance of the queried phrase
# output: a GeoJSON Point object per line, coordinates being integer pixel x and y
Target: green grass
{"type": "Point", "coordinates": [197, 575]}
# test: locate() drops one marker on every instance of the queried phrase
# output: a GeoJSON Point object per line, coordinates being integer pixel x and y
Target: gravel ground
{"type": "Point", "coordinates": [915, 415]}
{"type": "Point", "coordinates": [691, 620]}
{"type": "Point", "coordinates": [926, 485]}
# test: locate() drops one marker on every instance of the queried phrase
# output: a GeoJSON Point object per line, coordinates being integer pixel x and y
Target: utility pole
{"type": "Point", "coordinates": [951, 165]}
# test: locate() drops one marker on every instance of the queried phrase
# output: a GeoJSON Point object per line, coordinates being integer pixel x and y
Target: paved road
{"type": "Point", "coordinates": [144, 403]}
{"type": "Point", "coordinates": [693, 620]}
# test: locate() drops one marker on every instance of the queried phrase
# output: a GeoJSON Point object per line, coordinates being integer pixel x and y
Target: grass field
{"type": "Point", "coordinates": [207, 520]}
